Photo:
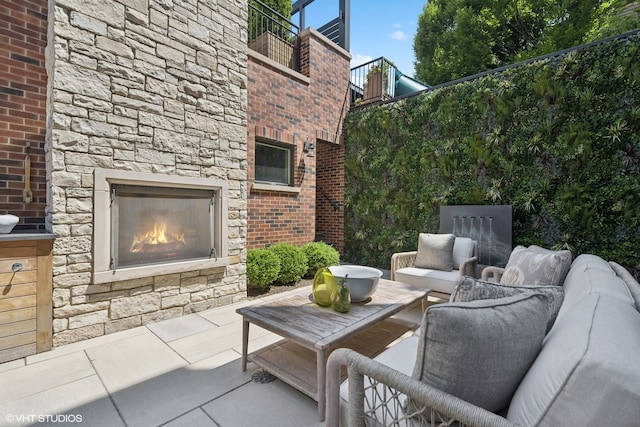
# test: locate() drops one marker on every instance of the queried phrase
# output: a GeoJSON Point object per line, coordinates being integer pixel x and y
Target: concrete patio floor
{"type": "Point", "coordinates": [178, 372]}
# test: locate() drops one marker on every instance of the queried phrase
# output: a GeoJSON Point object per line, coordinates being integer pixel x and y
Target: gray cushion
{"type": "Point", "coordinates": [435, 251]}
{"type": "Point", "coordinates": [463, 248]}
{"type": "Point", "coordinates": [480, 350]}
{"type": "Point", "coordinates": [536, 266]}
{"type": "Point", "coordinates": [587, 371]}
{"type": "Point", "coordinates": [590, 274]}
{"type": "Point", "coordinates": [470, 289]}
{"type": "Point", "coordinates": [632, 284]}
{"type": "Point", "coordinates": [436, 280]}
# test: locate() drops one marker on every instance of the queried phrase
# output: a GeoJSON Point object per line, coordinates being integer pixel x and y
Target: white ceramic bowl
{"type": "Point", "coordinates": [7, 222]}
{"type": "Point", "coordinates": [362, 281]}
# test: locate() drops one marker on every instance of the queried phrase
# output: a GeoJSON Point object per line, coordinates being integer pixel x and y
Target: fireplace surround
{"type": "Point", "coordinates": [153, 224]}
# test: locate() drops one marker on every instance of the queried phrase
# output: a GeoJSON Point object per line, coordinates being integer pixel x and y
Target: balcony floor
{"type": "Point", "coordinates": [179, 372]}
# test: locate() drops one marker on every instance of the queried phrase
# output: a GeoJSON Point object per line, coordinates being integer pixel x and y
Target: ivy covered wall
{"type": "Point", "coordinates": [559, 139]}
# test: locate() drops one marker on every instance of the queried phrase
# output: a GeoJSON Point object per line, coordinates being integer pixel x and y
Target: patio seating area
{"type": "Point", "coordinates": [179, 372]}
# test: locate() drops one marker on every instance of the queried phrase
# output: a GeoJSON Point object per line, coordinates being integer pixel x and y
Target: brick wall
{"type": "Point", "coordinates": [330, 194]}
{"type": "Point", "coordinates": [23, 87]}
{"type": "Point", "coordinates": [293, 108]}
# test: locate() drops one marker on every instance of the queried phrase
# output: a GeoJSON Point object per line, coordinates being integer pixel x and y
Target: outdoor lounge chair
{"type": "Point", "coordinates": [441, 259]}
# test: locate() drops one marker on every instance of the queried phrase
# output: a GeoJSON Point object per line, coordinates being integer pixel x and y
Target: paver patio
{"type": "Point", "coordinates": [179, 372]}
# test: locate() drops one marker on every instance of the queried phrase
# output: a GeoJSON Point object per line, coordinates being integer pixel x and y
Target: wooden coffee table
{"type": "Point", "coordinates": [309, 328]}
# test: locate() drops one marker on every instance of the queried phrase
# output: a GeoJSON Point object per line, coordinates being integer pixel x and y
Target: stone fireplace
{"type": "Point", "coordinates": [149, 224]}
{"type": "Point", "coordinates": [146, 157]}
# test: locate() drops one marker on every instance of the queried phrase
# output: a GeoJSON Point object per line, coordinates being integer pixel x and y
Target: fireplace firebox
{"type": "Point", "coordinates": [152, 224]}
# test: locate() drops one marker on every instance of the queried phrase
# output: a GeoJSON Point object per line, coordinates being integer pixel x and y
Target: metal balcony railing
{"type": "Point", "coordinates": [373, 81]}
{"type": "Point", "coordinates": [273, 35]}
{"type": "Point", "coordinates": [337, 30]}
{"type": "Point", "coordinates": [380, 80]}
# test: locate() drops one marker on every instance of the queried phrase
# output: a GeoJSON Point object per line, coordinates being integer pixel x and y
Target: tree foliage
{"type": "Point", "coordinates": [457, 38]}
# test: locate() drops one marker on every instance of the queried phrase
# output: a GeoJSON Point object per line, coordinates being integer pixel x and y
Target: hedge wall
{"type": "Point", "coordinates": [559, 139]}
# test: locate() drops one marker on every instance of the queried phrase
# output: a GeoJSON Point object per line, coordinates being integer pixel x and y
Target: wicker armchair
{"type": "Point", "coordinates": [433, 279]}
{"type": "Point", "coordinates": [377, 396]}
{"type": "Point", "coordinates": [492, 272]}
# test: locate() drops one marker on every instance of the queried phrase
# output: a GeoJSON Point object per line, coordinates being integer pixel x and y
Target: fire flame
{"type": "Point", "coordinates": [157, 236]}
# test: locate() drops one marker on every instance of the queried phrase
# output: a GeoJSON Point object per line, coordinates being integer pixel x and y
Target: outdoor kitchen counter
{"type": "Point", "coordinates": [26, 236]}
{"type": "Point", "coordinates": [25, 294]}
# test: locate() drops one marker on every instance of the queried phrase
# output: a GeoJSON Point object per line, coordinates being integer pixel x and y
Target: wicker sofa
{"type": "Point", "coordinates": [584, 371]}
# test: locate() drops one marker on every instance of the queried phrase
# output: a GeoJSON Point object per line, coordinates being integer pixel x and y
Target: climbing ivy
{"type": "Point", "coordinates": [559, 139]}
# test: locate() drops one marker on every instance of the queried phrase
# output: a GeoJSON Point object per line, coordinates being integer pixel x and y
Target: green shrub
{"type": "Point", "coordinates": [319, 255]}
{"type": "Point", "coordinates": [263, 267]}
{"type": "Point", "coordinates": [293, 262]}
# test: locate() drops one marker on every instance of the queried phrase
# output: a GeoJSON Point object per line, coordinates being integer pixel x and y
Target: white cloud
{"type": "Point", "coordinates": [359, 59]}
{"type": "Point", "coordinates": [398, 35]}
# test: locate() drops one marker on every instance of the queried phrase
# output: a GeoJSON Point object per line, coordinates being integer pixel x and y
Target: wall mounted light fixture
{"type": "Point", "coordinates": [309, 148]}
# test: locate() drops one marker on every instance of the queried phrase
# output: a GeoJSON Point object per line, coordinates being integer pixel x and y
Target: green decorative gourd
{"type": "Point", "coordinates": [324, 287]}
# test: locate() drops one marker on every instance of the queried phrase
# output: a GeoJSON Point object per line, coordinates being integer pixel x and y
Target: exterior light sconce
{"type": "Point", "coordinates": [309, 148]}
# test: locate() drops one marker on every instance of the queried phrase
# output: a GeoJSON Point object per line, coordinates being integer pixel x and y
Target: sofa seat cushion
{"type": "Point", "coordinates": [589, 274]}
{"type": "Point", "coordinates": [479, 351]}
{"type": "Point", "coordinates": [586, 373]}
{"type": "Point", "coordinates": [436, 280]}
{"type": "Point", "coordinates": [470, 289]}
{"type": "Point", "coordinates": [536, 266]}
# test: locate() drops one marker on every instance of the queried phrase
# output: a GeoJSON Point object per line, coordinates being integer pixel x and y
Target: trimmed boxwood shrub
{"type": "Point", "coordinates": [319, 255]}
{"type": "Point", "coordinates": [293, 262]}
{"type": "Point", "coordinates": [263, 267]}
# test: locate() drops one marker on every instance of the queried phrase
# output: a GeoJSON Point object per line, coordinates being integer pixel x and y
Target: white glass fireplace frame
{"type": "Point", "coordinates": [104, 179]}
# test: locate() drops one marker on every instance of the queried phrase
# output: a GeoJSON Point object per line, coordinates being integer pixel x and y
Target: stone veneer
{"type": "Point", "coordinates": [153, 86]}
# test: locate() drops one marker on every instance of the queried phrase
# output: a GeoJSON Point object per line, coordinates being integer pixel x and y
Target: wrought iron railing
{"type": "Point", "coordinates": [273, 35]}
{"type": "Point", "coordinates": [373, 81]}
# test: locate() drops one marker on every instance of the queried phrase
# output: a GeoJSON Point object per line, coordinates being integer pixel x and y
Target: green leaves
{"type": "Point", "coordinates": [458, 38]}
{"type": "Point", "coordinates": [559, 140]}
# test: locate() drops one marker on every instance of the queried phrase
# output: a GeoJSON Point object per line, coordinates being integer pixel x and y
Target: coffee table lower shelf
{"type": "Point", "coordinates": [296, 365]}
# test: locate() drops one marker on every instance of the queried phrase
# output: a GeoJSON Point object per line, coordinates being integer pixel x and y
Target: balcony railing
{"type": "Point", "coordinates": [273, 35]}
{"type": "Point", "coordinates": [337, 30]}
{"type": "Point", "coordinates": [373, 81]}
{"type": "Point", "coordinates": [380, 80]}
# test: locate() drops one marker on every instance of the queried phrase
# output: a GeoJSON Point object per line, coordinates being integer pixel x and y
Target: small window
{"type": "Point", "coordinates": [273, 163]}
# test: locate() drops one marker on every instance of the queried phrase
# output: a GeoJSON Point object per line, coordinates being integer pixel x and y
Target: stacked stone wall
{"type": "Point", "coordinates": [153, 86]}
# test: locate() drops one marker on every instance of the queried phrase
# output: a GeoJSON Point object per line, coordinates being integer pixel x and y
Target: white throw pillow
{"type": "Point", "coordinates": [536, 266]}
{"type": "Point", "coordinates": [462, 250]}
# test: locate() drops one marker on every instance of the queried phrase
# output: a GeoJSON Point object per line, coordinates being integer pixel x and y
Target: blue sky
{"type": "Point", "coordinates": [378, 28]}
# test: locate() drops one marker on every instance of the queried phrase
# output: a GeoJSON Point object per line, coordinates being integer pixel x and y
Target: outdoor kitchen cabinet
{"type": "Point", "coordinates": [25, 294]}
